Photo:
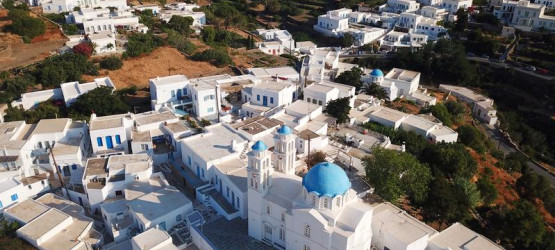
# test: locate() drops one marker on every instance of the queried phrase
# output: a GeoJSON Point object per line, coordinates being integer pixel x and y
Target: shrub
{"type": "Point", "coordinates": [85, 49]}
{"type": "Point", "coordinates": [111, 63]}
{"type": "Point", "coordinates": [25, 26]}
{"type": "Point", "coordinates": [216, 57]}
{"type": "Point", "coordinates": [141, 44]}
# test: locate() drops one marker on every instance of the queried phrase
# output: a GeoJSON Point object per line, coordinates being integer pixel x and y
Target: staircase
{"type": "Point", "coordinates": [245, 150]}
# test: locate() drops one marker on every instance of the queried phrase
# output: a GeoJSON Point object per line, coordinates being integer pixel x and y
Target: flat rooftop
{"type": "Point", "coordinates": [257, 124]}
{"type": "Point", "coordinates": [8, 129]}
{"type": "Point", "coordinates": [46, 126]}
{"type": "Point", "coordinates": [26, 210]}
{"type": "Point", "coordinates": [228, 234]}
{"type": "Point", "coordinates": [214, 143]}
{"type": "Point", "coordinates": [43, 224]}
{"type": "Point", "coordinates": [153, 117]}
{"type": "Point", "coordinates": [236, 171]}
{"type": "Point", "coordinates": [419, 122]}
{"type": "Point", "coordinates": [106, 122]}
{"type": "Point", "coordinates": [153, 205]}
{"type": "Point", "coordinates": [61, 204]}
{"type": "Point", "coordinates": [117, 162]}
{"type": "Point", "coordinates": [273, 85]}
{"type": "Point", "coordinates": [402, 74]}
{"type": "Point", "coordinates": [33, 179]}
{"type": "Point", "coordinates": [389, 114]}
{"type": "Point", "coordinates": [458, 236]}
{"type": "Point", "coordinates": [466, 92]}
{"type": "Point", "coordinates": [7, 184]}
{"type": "Point", "coordinates": [321, 88]}
{"type": "Point", "coordinates": [272, 72]}
{"type": "Point", "coordinates": [302, 107]}
{"type": "Point", "coordinates": [137, 189]}
{"type": "Point", "coordinates": [67, 146]}
{"type": "Point", "coordinates": [177, 127]}
{"type": "Point", "coordinates": [96, 166]}
{"type": "Point", "coordinates": [142, 136]}
{"type": "Point", "coordinates": [153, 238]}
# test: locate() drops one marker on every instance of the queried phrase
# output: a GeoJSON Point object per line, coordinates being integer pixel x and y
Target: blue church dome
{"type": "Point", "coordinates": [284, 130]}
{"type": "Point", "coordinates": [327, 179]}
{"type": "Point", "coordinates": [376, 72]}
{"type": "Point", "coordinates": [259, 146]}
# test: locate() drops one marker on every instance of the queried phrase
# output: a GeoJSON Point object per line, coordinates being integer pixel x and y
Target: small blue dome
{"type": "Point", "coordinates": [284, 130]}
{"type": "Point", "coordinates": [259, 146]}
{"type": "Point", "coordinates": [376, 72]}
{"type": "Point", "coordinates": [327, 179]}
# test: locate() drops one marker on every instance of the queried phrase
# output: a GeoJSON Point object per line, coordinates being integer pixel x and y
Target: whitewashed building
{"type": "Point", "coordinates": [59, 6]}
{"type": "Point", "coordinates": [400, 6]}
{"type": "Point", "coordinates": [323, 92]}
{"type": "Point", "coordinates": [261, 98]}
{"type": "Point", "coordinates": [333, 23]}
{"type": "Point", "coordinates": [482, 106]}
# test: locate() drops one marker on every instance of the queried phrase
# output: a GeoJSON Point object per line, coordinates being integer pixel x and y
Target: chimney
{"type": "Point", "coordinates": [234, 146]}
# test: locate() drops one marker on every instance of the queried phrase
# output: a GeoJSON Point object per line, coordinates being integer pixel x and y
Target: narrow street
{"type": "Point", "coordinates": [502, 145]}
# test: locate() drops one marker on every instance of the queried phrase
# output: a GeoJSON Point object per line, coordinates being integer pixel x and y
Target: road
{"type": "Point", "coordinates": [504, 146]}
{"type": "Point", "coordinates": [508, 66]}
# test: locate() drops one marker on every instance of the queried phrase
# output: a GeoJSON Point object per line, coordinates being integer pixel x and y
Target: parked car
{"type": "Point", "coordinates": [530, 68]}
{"type": "Point", "coordinates": [542, 71]}
{"type": "Point", "coordinates": [470, 54]}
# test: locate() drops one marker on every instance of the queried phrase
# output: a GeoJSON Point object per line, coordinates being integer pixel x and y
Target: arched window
{"type": "Point", "coordinates": [326, 202]}
{"type": "Point", "coordinates": [306, 247]}
{"type": "Point", "coordinates": [338, 201]}
{"type": "Point", "coordinates": [313, 200]}
{"type": "Point", "coordinates": [307, 231]}
{"type": "Point", "coordinates": [99, 141]}
{"type": "Point", "coordinates": [282, 234]}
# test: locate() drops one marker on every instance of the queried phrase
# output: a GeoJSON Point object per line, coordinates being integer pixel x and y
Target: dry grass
{"type": "Point", "coordinates": [163, 61]}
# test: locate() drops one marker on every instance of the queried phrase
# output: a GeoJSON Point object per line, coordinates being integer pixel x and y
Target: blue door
{"type": "Point", "coordinates": [178, 93]}
{"type": "Point", "coordinates": [265, 101]}
{"type": "Point", "coordinates": [109, 143]}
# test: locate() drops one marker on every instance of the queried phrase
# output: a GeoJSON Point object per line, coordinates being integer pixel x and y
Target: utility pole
{"type": "Point", "coordinates": [58, 172]}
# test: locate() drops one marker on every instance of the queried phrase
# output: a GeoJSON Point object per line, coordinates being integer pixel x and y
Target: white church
{"type": "Point", "coordinates": [322, 211]}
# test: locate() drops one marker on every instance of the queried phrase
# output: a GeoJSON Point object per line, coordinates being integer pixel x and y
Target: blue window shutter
{"type": "Point", "coordinates": [74, 166]}
{"type": "Point", "coordinates": [258, 97]}
{"type": "Point", "coordinates": [14, 197]}
{"type": "Point", "coordinates": [271, 100]}
{"type": "Point", "coordinates": [99, 141]}
{"type": "Point", "coordinates": [118, 139]}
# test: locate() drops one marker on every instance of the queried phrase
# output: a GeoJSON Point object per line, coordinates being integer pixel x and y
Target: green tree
{"type": "Point", "coordinates": [70, 29]}
{"type": "Point", "coordinates": [208, 34]}
{"type": "Point", "coordinates": [394, 174]}
{"type": "Point", "coordinates": [451, 159]}
{"type": "Point", "coordinates": [181, 43]}
{"type": "Point", "coordinates": [100, 100]}
{"type": "Point", "coordinates": [462, 20]}
{"type": "Point", "coordinates": [515, 162]}
{"type": "Point", "coordinates": [141, 44]}
{"type": "Point", "coordinates": [339, 109]}
{"type": "Point", "coordinates": [272, 6]}
{"type": "Point", "coordinates": [440, 112]}
{"type": "Point", "coordinates": [377, 91]}
{"type": "Point", "coordinates": [351, 77]}
{"type": "Point", "coordinates": [111, 63]}
{"type": "Point", "coordinates": [457, 111]}
{"type": "Point", "coordinates": [470, 191]}
{"type": "Point", "coordinates": [487, 190]}
{"type": "Point", "coordinates": [26, 26]}
{"type": "Point", "coordinates": [472, 137]}
{"type": "Point", "coordinates": [64, 68]}
{"type": "Point", "coordinates": [347, 40]}
{"type": "Point", "coordinates": [217, 57]}
{"type": "Point", "coordinates": [181, 24]}
{"type": "Point", "coordinates": [523, 225]}
{"type": "Point", "coordinates": [447, 203]}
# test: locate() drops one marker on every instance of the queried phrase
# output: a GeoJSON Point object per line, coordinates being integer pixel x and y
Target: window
{"type": "Point", "coordinates": [308, 99]}
{"type": "Point", "coordinates": [258, 97]}
{"type": "Point", "coordinates": [338, 201]}
{"type": "Point", "coordinates": [14, 197]}
{"type": "Point", "coordinates": [271, 100]}
{"type": "Point", "coordinates": [99, 141]}
{"type": "Point", "coordinates": [227, 191]}
{"type": "Point", "coordinates": [307, 231]}
{"type": "Point", "coordinates": [326, 202]}
{"type": "Point", "coordinates": [178, 217]}
{"type": "Point", "coordinates": [210, 110]}
{"type": "Point", "coordinates": [202, 170]}
{"type": "Point", "coordinates": [206, 98]}
{"type": "Point", "coordinates": [40, 144]}
{"type": "Point", "coordinates": [144, 146]}
{"type": "Point", "coordinates": [73, 167]}
{"type": "Point", "coordinates": [314, 101]}
{"type": "Point", "coordinates": [173, 93]}
{"type": "Point", "coordinates": [47, 144]}
{"type": "Point", "coordinates": [118, 140]}
{"type": "Point", "coordinates": [313, 200]}
{"type": "Point", "coordinates": [306, 247]}
{"type": "Point", "coordinates": [119, 193]}
{"type": "Point", "coordinates": [268, 211]}
{"type": "Point", "coordinates": [281, 234]}
{"type": "Point", "coordinates": [320, 103]}
{"type": "Point", "coordinates": [189, 160]}
{"type": "Point", "coordinates": [238, 203]}
{"type": "Point", "coordinates": [283, 217]}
